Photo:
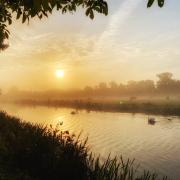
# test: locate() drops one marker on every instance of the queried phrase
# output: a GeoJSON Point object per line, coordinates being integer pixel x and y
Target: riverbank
{"type": "Point", "coordinates": [169, 108]}
{"type": "Point", "coordinates": [34, 152]}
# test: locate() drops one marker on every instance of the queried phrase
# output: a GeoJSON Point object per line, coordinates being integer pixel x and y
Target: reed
{"type": "Point", "coordinates": [128, 106]}
{"type": "Point", "coordinates": [34, 152]}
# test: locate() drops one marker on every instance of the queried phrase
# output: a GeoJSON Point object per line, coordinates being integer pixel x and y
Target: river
{"type": "Point", "coordinates": [156, 147]}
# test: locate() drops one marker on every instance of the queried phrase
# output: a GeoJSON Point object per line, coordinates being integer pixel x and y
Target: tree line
{"type": "Point", "coordinates": [165, 85]}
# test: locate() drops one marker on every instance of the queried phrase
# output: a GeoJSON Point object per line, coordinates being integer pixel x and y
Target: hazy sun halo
{"type": "Point", "coordinates": [59, 73]}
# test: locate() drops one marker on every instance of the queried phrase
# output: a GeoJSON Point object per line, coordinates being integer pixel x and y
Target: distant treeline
{"type": "Point", "coordinates": [165, 85]}
{"type": "Point", "coordinates": [161, 97]}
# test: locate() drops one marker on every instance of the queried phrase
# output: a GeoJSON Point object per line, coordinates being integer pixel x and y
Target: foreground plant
{"type": "Point", "coordinates": [34, 152]}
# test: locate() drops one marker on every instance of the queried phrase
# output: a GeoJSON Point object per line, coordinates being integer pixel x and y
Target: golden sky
{"type": "Point", "coordinates": [131, 43]}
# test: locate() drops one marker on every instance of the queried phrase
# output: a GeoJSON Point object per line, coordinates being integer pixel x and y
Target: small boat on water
{"type": "Point", "coordinates": [151, 120]}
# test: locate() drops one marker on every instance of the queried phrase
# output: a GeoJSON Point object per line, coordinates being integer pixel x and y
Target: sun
{"type": "Point", "coordinates": [59, 73]}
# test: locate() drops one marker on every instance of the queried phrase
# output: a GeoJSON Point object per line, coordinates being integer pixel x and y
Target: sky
{"type": "Point", "coordinates": [131, 43]}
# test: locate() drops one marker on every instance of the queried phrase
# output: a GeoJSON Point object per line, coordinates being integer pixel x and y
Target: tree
{"type": "Point", "coordinates": [27, 9]}
{"type": "Point", "coordinates": [165, 82]}
{"type": "Point", "coordinates": [165, 76]}
{"type": "Point", "coordinates": [160, 3]}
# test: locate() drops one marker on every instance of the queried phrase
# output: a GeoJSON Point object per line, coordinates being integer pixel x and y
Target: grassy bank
{"type": "Point", "coordinates": [33, 152]}
{"type": "Point", "coordinates": [128, 106]}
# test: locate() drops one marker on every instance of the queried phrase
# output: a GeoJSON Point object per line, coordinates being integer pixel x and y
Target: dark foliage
{"type": "Point", "coordinates": [33, 152]}
{"type": "Point", "coordinates": [160, 3]}
{"type": "Point", "coordinates": [27, 9]}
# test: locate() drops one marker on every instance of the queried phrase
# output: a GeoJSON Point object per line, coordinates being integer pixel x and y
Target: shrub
{"type": "Point", "coordinates": [34, 152]}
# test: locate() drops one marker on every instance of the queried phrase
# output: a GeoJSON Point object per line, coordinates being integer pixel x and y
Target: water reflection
{"type": "Point", "coordinates": [156, 148]}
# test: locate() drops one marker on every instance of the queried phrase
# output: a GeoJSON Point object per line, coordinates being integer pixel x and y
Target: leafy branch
{"type": "Point", "coordinates": [28, 9]}
{"type": "Point", "coordinates": [151, 2]}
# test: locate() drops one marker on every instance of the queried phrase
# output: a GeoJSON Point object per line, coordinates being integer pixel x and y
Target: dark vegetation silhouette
{"type": "Point", "coordinates": [34, 152]}
{"type": "Point", "coordinates": [27, 9]}
{"type": "Point", "coordinates": [160, 3]}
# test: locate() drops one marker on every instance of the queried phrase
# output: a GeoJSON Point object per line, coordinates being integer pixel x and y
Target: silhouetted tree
{"type": "Point", "coordinates": [27, 9]}
{"type": "Point", "coordinates": [165, 81]}
{"type": "Point", "coordinates": [165, 76]}
{"type": "Point", "coordinates": [166, 84]}
{"type": "Point", "coordinates": [160, 3]}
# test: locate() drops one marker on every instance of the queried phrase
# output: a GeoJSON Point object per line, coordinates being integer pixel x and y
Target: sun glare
{"type": "Point", "coordinates": [59, 73]}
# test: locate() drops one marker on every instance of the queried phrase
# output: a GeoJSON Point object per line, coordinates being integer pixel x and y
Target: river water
{"type": "Point", "coordinates": [156, 147]}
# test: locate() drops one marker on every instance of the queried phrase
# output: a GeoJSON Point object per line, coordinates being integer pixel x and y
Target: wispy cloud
{"type": "Point", "coordinates": [108, 38]}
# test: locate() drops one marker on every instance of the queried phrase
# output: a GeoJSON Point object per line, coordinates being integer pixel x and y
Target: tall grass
{"type": "Point", "coordinates": [34, 152]}
{"type": "Point", "coordinates": [147, 107]}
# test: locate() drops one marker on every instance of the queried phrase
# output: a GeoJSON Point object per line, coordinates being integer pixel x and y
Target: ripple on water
{"type": "Point", "coordinates": [155, 147]}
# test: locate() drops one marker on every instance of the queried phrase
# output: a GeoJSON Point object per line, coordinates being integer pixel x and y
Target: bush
{"type": "Point", "coordinates": [34, 152]}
